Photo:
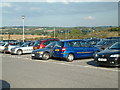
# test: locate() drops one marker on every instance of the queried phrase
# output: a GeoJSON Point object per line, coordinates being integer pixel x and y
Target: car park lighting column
{"type": "Point", "coordinates": [23, 17]}
{"type": "Point", "coordinates": [54, 32]}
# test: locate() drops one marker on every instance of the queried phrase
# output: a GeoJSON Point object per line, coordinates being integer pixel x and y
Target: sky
{"type": "Point", "coordinates": [61, 13]}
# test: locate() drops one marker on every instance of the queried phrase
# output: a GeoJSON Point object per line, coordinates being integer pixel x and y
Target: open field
{"type": "Point", "coordinates": [19, 37]}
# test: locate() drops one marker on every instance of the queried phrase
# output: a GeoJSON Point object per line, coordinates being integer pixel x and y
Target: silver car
{"type": "Point", "coordinates": [25, 48]}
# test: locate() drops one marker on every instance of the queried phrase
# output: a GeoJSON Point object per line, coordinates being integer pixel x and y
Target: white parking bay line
{"type": "Point", "coordinates": [85, 66]}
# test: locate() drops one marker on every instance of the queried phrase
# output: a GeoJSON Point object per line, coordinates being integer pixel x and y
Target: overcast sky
{"type": "Point", "coordinates": [52, 13]}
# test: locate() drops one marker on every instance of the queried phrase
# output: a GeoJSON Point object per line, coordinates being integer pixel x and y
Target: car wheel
{"type": "Point", "coordinates": [70, 57]}
{"type": "Point", "coordinates": [19, 52]}
{"type": "Point", "coordinates": [45, 56]}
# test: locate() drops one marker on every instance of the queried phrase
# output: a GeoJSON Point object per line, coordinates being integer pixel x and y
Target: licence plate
{"type": "Point", "coordinates": [57, 49]}
{"type": "Point", "coordinates": [33, 54]}
{"type": "Point", "coordinates": [102, 59]}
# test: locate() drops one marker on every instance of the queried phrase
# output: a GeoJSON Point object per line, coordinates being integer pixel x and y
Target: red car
{"type": "Point", "coordinates": [42, 43]}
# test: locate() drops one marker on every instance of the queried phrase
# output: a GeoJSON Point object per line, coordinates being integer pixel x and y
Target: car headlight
{"type": "Point", "coordinates": [96, 55]}
{"type": "Point", "coordinates": [40, 52]}
{"type": "Point", "coordinates": [115, 55]}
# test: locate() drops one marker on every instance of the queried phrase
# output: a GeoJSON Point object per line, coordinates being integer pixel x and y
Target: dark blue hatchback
{"type": "Point", "coordinates": [72, 49]}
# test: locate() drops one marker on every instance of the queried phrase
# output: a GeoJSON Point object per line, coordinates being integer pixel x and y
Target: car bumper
{"type": "Point", "coordinates": [62, 55]}
{"type": "Point", "coordinates": [109, 61]}
{"type": "Point", "coordinates": [36, 55]}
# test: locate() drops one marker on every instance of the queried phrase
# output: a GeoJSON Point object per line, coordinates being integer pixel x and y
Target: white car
{"type": "Point", "coordinates": [25, 48]}
{"type": "Point", "coordinates": [8, 46]}
{"type": "Point", "coordinates": [2, 46]}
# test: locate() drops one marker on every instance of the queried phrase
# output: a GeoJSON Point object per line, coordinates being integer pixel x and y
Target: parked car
{"type": "Point", "coordinates": [45, 53]}
{"type": "Point", "coordinates": [110, 56]}
{"type": "Point", "coordinates": [106, 43]}
{"type": "Point", "coordinates": [2, 46]}
{"type": "Point", "coordinates": [9, 46]}
{"type": "Point", "coordinates": [112, 38]}
{"type": "Point", "coordinates": [93, 41]}
{"type": "Point", "coordinates": [72, 49]}
{"type": "Point", "coordinates": [42, 43]}
{"type": "Point", "coordinates": [9, 41]}
{"type": "Point", "coordinates": [25, 48]}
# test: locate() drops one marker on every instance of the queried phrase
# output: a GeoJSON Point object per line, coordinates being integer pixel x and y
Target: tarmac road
{"type": "Point", "coordinates": [23, 72]}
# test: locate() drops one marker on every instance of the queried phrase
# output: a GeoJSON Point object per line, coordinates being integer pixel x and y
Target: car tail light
{"type": "Point", "coordinates": [63, 49]}
{"type": "Point", "coordinates": [41, 47]}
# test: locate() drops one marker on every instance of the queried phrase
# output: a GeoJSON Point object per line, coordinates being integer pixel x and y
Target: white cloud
{"type": "Point", "coordinates": [89, 18]}
{"type": "Point", "coordinates": [5, 5]}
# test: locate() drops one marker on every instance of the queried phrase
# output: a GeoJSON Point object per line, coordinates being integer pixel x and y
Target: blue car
{"type": "Point", "coordinates": [72, 49]}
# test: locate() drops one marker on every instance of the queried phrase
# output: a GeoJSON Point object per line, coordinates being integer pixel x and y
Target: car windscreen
{"type": "Point", "coordinates": [115, 46]}
{"type": "Point", "coordinates": [51, 45]}
{"type": "Point", "coordinates": [37, 43]}
{"type": "Point", "coordinates": [106, 42]}
{"type": "Point", "coordinates": [93, 42]}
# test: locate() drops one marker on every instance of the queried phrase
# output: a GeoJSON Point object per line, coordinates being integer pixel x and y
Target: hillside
{"type": "Point", "coordinates": [35, 33]}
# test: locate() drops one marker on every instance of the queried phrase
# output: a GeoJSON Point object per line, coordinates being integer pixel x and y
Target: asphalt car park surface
{"type": "Point", "coordinates": [23, 72]}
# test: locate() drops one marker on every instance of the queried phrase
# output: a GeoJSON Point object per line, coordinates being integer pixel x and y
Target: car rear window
{"type": "Point", "coordinates": [60, 44]}
{"type": "Point", "coordinates": [84, 44]}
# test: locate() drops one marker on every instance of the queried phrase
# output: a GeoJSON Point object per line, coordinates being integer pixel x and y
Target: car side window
{"type": "Point", "coordinates": [84, 44]}
{"type": "Point", "coordinates": [73, 44]}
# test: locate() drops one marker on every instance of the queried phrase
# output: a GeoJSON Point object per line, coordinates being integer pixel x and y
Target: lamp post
{"type": "Point", "coordinates": [54, 32]}
{"type": "Point", "coordinates": [23, 17]}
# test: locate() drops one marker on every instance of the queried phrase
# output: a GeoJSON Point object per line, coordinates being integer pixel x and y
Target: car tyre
{"type": "Point", "coordinates": [70, 57]}
{"type": "Point", "coordinates": [19, 52]}
{"type": "Point", "coordinates": [45, 56]}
